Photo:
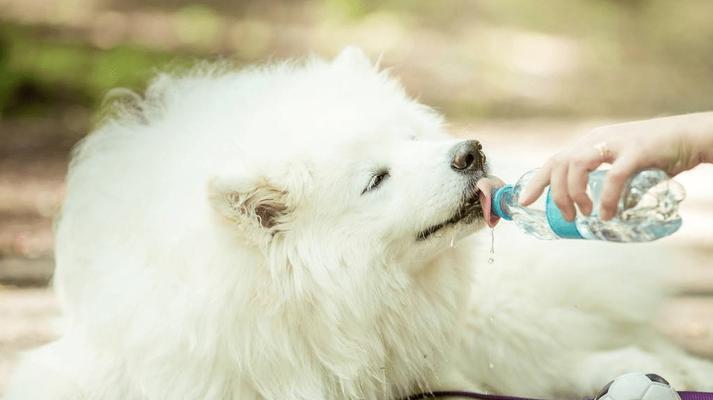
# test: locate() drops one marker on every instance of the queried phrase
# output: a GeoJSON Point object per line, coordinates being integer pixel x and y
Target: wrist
{"type": "Point", "coordinates": [703, 137]}
{"type": "Point", "coordinates": [697, 130]}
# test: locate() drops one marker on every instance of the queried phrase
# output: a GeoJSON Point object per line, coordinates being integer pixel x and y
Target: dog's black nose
{"type": "Point", "coordinates": [467, 156]}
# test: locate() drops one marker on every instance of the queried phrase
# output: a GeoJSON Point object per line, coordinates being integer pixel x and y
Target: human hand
{"type": "Point", "coordinates": [673, 144]}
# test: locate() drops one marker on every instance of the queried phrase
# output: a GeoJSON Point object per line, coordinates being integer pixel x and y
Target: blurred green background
{"type": "Point", "coordinates": [468, 58]}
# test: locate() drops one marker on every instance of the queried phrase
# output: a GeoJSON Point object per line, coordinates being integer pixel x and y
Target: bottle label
{"type": "Point", "coordinates": [560, 226]}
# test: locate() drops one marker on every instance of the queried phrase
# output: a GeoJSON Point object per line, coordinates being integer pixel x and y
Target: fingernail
{"type": "Point", "coordinates": [565, 214]}
{"type": "Point", "coordinates": [605, 215]}
{"type": "Point", "coordinates": [586, 210]}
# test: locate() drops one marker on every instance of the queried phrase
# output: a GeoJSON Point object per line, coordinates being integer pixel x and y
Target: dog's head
{"type": "Point", "coordinates": [344, 166]}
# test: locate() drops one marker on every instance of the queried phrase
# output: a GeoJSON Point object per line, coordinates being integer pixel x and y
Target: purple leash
{"type": "Point", "coordinates": [480, 396]}
{"type": "Point", "coordinates": [471, 395]}
{"type": "Point", "coordinates": [696, 395]}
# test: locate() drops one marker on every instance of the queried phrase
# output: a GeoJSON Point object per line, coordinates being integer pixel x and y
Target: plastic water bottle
{"type": "Point", "coordinates": [648, 210]}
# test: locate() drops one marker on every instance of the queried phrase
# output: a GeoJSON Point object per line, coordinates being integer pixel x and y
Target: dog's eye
{"type": "Point", "coordinates": [376, 180]}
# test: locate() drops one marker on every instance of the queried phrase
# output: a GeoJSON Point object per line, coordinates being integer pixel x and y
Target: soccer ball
{"type": "Point", "coordinates": [638, 386]}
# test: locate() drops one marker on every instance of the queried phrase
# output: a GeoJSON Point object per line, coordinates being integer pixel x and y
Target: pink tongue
{"type": "Point", "coordinates": [490, 218]}
{"type": "Point", "coordinates": [486, 189]}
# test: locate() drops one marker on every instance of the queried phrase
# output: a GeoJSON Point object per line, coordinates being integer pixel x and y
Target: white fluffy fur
{"type": "Point", "coordinates": [215, 244]}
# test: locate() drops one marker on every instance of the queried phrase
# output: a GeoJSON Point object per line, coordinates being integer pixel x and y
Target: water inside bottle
{"type": "Point", "coordinates": [648, 209]}
{"type": "Point", "coordinates": [532, 219]}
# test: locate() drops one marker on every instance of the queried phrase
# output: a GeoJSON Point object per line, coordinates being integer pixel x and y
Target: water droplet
{"type": "Point", "coordinates": [453, 240]}
{"type": "Point", "coordinates": [492, 318]}
{"type": "Point", "coordinates": [491, 258]}
{"type": "Point", "coordinates": [491, 365]}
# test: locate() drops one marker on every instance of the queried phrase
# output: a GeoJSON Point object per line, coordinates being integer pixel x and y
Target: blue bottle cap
{"type": "Point", "coordinates": [560, 226]}
{"type": "Point", "coordinates": [497, 200]}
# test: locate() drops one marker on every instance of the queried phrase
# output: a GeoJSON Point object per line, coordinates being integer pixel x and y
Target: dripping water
{"type": "Point", "coordinates": [491, 257]}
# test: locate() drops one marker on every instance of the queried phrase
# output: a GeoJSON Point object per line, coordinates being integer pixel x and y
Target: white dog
{"type": "Point", "coordinates": [286, 233]}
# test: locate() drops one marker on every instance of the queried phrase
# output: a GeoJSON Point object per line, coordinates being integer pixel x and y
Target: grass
{"type": "Point", "coordinates": [43, 73]}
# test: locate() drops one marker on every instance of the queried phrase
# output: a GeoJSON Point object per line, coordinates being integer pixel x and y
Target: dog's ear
{"type": "Point", "coordinates": [256, 203]}
{"type": "Point", "coordinates": [353, 57]}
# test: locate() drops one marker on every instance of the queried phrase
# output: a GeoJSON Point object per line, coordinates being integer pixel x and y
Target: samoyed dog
{"type": "Point", "coordinates": [303, 231]}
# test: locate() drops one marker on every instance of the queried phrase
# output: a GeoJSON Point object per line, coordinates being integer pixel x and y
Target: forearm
{"type": "Point", "coordinates": [699, 131]}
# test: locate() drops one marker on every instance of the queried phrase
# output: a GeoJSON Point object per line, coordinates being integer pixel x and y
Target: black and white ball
{"type": "Point", "coordinates": [638, 386]}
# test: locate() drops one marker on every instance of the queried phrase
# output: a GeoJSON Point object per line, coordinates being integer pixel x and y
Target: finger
{"type": "Point", "coordinates": [560, 194]}
{"type": "Point", "coordinates": [578, 175]}
{"type": "Point", "coordinates": [614, 183]}
{"type": "Point", "coordinates": [537, 185]}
